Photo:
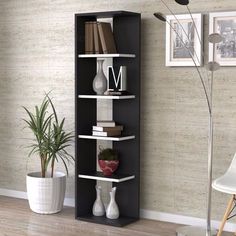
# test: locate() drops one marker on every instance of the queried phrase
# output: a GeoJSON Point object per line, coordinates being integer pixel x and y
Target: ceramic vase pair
{"type": "Point", "coordinates": [112, 211]}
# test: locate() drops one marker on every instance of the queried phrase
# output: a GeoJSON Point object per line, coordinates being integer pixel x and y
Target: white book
{"type": "Point", "coordinates": [106, 123]}
{"type": "Point", "coordinates": [107, 129]}
{"type": "Point", "coordinates": [107, 134]}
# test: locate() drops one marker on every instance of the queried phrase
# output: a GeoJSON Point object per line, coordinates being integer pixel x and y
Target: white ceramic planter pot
{"type": "Point", "coordinates": [46, 195]}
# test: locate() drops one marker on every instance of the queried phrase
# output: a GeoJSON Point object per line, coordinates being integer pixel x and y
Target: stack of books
{"type": "Point", "coordinates": [99, 38]}
{"type": "Point", "coordinates": [107, 129]}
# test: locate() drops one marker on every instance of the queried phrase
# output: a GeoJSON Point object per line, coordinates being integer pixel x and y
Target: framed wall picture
{"type": "Point", "coordinates": [183, 40]}
{"type": "Point", "coordinates": [223, 23]}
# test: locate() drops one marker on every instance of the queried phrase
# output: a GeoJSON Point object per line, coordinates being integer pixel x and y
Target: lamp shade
{"type": "Point", "coordinates": [182, 2]}
{"type": "Point", "coordinates": [213, 66]}
{"type": "Point", "coordinates": [160, 16]}
{"type": "Point", "coordinates": [215, 38]}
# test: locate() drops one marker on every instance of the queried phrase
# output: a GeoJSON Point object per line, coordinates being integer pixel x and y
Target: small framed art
{"type": "Point", "coordinates": [223, 23]}
{"type": "Point", "coordinates": [183, 40]}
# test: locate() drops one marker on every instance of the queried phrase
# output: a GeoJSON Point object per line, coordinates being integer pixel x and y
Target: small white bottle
{"type": "Point", "coordinates": [98, 206]}
{"type": "Point", "coordinates": [112, 211]}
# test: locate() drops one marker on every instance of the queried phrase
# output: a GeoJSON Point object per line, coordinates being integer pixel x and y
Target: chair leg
{"type": "Point", "coordinates": [226, 215]}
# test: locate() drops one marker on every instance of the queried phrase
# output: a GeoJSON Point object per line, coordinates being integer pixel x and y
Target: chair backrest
{"type": "Point", "coordinates": [232, 166]}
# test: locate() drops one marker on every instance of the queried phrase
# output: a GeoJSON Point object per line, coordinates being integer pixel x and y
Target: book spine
{"type": "Point", "coordinates": [98, 133]}
{"type": "Point", "coordinates": [86, 37]}
{"type": "Point", "coordinates": [97, 43]}
{"type": "Point", "coordinates": [102, 37]}
{"type": "Point", "coordinates": [116, 128]}
{"type": "Point", "coordinates": [107, 129]}
{"type": "Point", "coordinates": [97, 128]}
{"type": "Point", "coordinates": [91, 38]}
{"type": "Point", "coordinates": [89, 47]}
{"type": "Point", "coordinates": [107, 134]}
{"type": "Point", "coordinates": [113, 133]}
{"type": "Point", "coordinates": [109, 37]}
{"type": "Point", "coordinates": [108, 124]}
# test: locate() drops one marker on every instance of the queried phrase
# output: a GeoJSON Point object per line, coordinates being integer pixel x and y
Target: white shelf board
{"type": "Point", "coordinates": [107, 96]}
{"type": "Point", "coordinates": [106, 55]}
{"type": "Point", "coordinates": [113, 178]}
{"type": "Point", "coordinates": [107, 138]}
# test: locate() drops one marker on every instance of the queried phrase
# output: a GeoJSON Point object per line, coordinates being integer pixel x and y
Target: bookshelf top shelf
{"type": "Point", "coordinates": [106, 55]}
{"type": "Point", "coordinates": [107, 14]}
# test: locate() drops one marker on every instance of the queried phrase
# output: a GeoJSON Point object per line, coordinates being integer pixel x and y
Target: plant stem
{"type": "Point", "coordinates": [41, 158]}
{"type": "Point", "coordinates": [52, 171]}
{"type": "Point", "coordinates": [43, 169]}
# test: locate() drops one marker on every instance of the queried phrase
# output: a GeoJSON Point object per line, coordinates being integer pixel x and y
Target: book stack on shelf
{"type": "Point", "coordinates": [99, 38]}
{"type": "Point", "coordinates": [107, 129]}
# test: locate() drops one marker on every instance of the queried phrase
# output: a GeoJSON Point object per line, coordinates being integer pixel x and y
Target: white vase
{"type": "Point", "coordinates": [98, 206]}
{"type": "Point", "coordinates": [46, 195]}
{"type": "Point", "coordinates": [100, 80]}
{"type": "Point", "coordinates": [112, 211]}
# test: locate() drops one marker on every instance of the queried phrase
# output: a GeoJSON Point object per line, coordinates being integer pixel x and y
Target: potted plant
{"type": "Point", "coordinates": [46, 189]}
{"type": "Point", "coordinates": [108, 161]}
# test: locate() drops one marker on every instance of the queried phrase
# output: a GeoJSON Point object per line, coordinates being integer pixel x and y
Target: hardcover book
{"type": "Point", "coordinates": [97, 41]}
{"type": "Point", "coordinates": [107, 38]}
{"type": "Point", "coordinates": [107, 129]}
{"type": "Point", "coordinates": [107, 134]}
{"type": "Point", "coordinates": [89, 45]}
{"type": "Point", "coordinates": [106, 123]}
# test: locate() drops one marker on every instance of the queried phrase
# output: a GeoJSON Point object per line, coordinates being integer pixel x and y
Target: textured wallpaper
{"type": "Point", "coordinates": [37, 55]}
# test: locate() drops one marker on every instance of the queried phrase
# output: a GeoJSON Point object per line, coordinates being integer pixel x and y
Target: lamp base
{"type": "Point", "coordinates": [194, 231]}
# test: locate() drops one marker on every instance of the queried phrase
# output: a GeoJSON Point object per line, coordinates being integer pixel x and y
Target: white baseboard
{"type": "Point", "coordinates": [147, 214]}
{"type": "Point", "coordinates": [69, 202]}
{"type": "Point", "coordinates": [23, 195]}
{"type": "Point", "coordinates": [185, 220]}
{"type": "Point", "coordinates": [13, 193]}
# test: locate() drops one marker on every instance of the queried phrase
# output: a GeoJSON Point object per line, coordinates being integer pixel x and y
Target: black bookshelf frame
{"type": "Point", "coordinates": [126, 30]}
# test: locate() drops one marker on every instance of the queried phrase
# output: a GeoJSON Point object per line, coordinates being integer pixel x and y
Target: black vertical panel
{"type": "Point", "coordinates": [85, 117]}
{"type": "Point", "coordinates": [127, 112]}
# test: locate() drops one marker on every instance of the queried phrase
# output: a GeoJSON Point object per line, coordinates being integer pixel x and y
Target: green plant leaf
{"type": "Point", "coordinates": [50, 140]}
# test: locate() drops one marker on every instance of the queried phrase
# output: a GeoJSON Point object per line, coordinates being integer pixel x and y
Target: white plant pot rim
{"type": "Point", "coordinates": [38, 174]}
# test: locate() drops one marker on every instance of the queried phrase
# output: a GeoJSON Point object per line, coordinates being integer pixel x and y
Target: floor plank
{"type": "Point", "coordinates": [17, 219]}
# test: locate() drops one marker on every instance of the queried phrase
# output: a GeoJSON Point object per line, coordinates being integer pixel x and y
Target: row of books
{"type": "Point", "coordinates": [99, 38]}
{"type": "Point", "coordinates": [107, 129]}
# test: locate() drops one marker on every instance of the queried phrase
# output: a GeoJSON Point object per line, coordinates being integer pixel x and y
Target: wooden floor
{"type": "Point", "coordinates": [16, 219]}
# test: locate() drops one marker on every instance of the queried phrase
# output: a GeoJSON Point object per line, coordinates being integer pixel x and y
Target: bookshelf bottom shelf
{"type": "Point", "coordinates": [122, 221]}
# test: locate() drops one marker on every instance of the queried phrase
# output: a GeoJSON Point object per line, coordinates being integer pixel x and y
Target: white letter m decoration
{"type": "Point", "coordinates": [119, 80]}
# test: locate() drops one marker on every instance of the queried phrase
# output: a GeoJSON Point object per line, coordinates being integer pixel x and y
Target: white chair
{"type": "Point", "coordinates": [227, 184]}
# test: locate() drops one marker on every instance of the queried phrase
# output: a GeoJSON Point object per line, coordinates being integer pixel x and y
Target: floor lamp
{"type": "Point", "coordinates": [211, 67]}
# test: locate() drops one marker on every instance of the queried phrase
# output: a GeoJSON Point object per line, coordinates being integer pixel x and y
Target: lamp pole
{"type": "Point", "coordinates": [199, 231]}
{"type": "Point", "coordinates": [212, 66]}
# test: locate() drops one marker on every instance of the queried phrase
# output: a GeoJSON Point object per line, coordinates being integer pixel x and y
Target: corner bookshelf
{"type": "Point", "coordinates": [126, 111]}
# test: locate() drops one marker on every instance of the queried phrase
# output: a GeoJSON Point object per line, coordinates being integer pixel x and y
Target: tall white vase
{"type": "Point", "coordinates": [100, 80]}
{"type": "Point", "coordinates": [112, 211]}
{"type": "Point", "coordinates": [98, 206]}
